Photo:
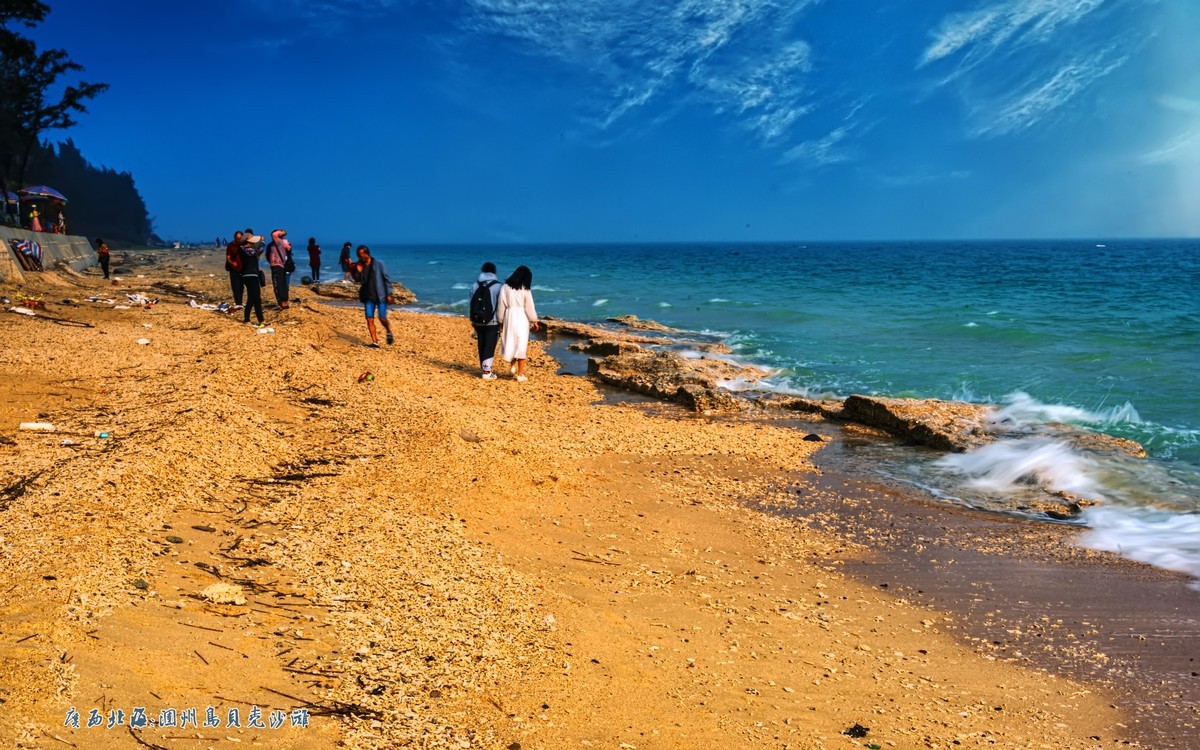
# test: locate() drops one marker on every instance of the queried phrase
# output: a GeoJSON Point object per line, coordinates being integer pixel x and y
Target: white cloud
{"type": "Point", "coordinates": [921, 177]}
{"type": "Point", "coordinates": [728, 54]}
{"type": "Point", "coordinates": [830, 149]}
{"type": "Point", "coordinates": [1015, 62]}
{"type": "Point", "coordinates": [1040, 97]}
{"type": "Point", "coordinates": [1182, 148]}
{"type": "Point", "coordinates": [988, 29]}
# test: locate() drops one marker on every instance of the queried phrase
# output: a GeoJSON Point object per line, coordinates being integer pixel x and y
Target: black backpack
{"type": "Point", "coordinates": [482, 311]}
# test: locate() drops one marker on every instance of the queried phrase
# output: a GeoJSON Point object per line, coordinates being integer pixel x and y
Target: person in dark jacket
{"type": "Point", "coordinates": [314, 259]}
{"type": "Point", "coordinates": [344, 261]}
{"type": "Point", "coordinates": [487, 334]}
{"type": "Point", "coordinates": [103, 255]}
{"type": "Point", "coordinates": [252, 250]}
{"type": "Point", "coordinates": [375, 292]}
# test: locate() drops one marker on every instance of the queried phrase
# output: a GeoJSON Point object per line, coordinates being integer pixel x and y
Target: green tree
{"type": "Point", "coordinates": [27, 107]}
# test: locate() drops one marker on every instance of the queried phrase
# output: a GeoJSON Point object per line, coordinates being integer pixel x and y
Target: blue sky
{"type": "Point", "coordinates": [641, 120]}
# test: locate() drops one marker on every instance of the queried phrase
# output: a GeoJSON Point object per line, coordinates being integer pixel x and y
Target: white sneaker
{"type": "Point", "coordinates": [521, 378]}
{"type": "Point", "coordinates": [512, 369]}
{"type": "Point", "coordinates": [489, 376]}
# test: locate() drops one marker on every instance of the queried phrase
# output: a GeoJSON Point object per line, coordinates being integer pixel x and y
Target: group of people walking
{"type": "Point", "coordinates": [501, 313]}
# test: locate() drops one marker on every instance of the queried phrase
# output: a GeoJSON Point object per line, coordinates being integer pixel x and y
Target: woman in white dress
{"type": "Point", "coordinates": [515, 311]}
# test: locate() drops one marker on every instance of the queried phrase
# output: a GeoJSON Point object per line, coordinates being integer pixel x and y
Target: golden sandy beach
{"type": "Point", "coordinates": [424, 559]}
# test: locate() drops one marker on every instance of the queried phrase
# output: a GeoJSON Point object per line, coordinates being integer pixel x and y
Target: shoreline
{"type": "Point", "coordinates": [564, 547]}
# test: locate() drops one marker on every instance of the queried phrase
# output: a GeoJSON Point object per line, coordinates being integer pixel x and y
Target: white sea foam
{"type": "Point", "coordinates": [1010, 465]}
{"type": "Point", "coordinates": [717, 300]}
{"type": "Point", "coordinates": [972, 325]}
{"type": "Point", "coordinates": [665, 304]}
{"type": "Point", "coordinates": [540, 288]}
{"type": "Point", "coordinates": [599, 302]}
{"type": "Point", "coordinates": [1024, 409]}
{"type": "Point", "coordinates": [1156, 537]}
{"type": "Point", "coordinates": [461, 286]}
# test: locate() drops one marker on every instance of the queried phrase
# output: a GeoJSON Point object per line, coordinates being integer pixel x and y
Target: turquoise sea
{"type": "Point", "coordinates": [1100, 333]}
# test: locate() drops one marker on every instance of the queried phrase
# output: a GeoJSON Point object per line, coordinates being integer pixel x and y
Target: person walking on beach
{"type": "Point", "coordinates": [484, 294]}
{"type": "Point", "coordinates": [344, 261]}
{"type": "Point", "coordinates": [102, 255]}
{"type": "Point", "coordinates": [279, 252]}
{"type": "Point", "coordinates": [251, 250]}
{"type": "Point", "coordinates": [314, 259]}
{"type": "Point", "coordinates": [515, 311]}
{"type": "Point", "coordinates": [233, 264]}
{"type": "Point", "coordinates": [375, 292]}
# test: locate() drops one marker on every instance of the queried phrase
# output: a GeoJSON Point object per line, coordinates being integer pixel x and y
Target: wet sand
{"type": "Point", "coordinates": [430, 560]}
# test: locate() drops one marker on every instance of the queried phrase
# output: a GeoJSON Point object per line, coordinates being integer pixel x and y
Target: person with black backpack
{"type": "Point", "coordinates": [482, 313]}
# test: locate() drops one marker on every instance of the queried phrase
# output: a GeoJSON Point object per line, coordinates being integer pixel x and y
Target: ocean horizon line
{"type": "Point", "coordinates": [760, 243]}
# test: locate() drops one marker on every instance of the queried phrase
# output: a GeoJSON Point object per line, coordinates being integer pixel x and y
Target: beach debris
{"type": "Point", "coordinates": [22, 311]}
{"type": "Point", "coordinates": [224, 593]}
{"type": "Point", "coordinates": [366, 377]}
{"type": "Point", "coordinates": [469, 436]}
{"type": "Point", "coordinates": [141, 584]}
{"type": "Point", "coordinates": [266, 330]}
{"type": "Point", "coordinates": [198, 306]}
{"type": "Point", "coordinates": [857, 731]}
{"type": "Point", "coordinates": [143, 342]}
{"type": "Point", "coordinates": [812, 437]}
{"type": "Point", "coordinates": [175, 539]}
{"type": "Point", "coordinates": [101, 434]}
{"type": "Point", "coordinates": [36, 426]}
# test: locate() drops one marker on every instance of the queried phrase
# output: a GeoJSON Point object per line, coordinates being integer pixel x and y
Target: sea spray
{"type": "Point", "coordinates": [1024, 410]}
{"type": "Point", "coordinates": [1156, 537]}
{"type": "Point", "coordinates": [1009, 465]}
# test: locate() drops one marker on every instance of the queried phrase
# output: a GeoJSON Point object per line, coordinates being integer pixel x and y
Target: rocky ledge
{"type": "Point", "coordinates": [349, 290]}
{"type": "Point", "coordinates": [672, 377]}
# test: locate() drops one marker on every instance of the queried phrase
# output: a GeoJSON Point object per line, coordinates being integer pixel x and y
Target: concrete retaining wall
{"type": "Point", "coordinates": [75, 251]}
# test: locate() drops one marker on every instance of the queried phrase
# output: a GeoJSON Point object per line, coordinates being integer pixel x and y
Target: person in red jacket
{"type": "Point", "coordinates": [102, 255]}
{"type": "Point", "coordinates": [314, 259]}
{"type": "Point", "coordinates": [233, 264]}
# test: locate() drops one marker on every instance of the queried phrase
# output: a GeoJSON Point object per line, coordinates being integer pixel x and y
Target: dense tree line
{"type": "Point", "coordinates": [103, 202]}
{"type": "Point", "coordinates": [33, 100]}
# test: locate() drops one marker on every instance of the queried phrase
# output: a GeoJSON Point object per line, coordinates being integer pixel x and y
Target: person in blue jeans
{"type": "Point", "coordinates": [375, 292]}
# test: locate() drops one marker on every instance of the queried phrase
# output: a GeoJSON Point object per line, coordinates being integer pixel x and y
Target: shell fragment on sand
{"type": "Point", "coordinates": [224, 593]}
